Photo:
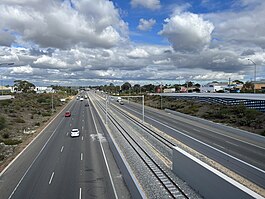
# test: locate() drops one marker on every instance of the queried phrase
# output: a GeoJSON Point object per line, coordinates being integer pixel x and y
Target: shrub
{"type": "Point", "coordinates": [2, 122]}
{"type": "Point", "coordinates": [11, 142]}
{"type": "Point", "coordinates": [45, 114]}
{"type": "Point", "coordinates": [5, 135]}
{"type": "Point", "coordinates": [2, 157]}
{"type": "Point", "coordinates": [19, 120]}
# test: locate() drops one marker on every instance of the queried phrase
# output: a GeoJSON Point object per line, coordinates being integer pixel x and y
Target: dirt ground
{"type": "Point", "coordinates": [235, 116]}
{"type": "Point", "coordinates": [22, 118]}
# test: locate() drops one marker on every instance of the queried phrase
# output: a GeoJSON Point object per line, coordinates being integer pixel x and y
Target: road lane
{"type": "Point", "coordinates": [249, 159]}
{"type": "Point", "coordinates": [65, 167]}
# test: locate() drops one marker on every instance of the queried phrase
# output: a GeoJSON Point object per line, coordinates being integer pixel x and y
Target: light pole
{"type": "Point", "coordinates": [254, 73]}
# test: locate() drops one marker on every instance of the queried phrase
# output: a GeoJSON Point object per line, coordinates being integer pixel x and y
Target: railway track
{"type": "Point", "coordinates": [168, 184]}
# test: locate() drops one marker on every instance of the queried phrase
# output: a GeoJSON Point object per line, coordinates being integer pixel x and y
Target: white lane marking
{"type": "Point", "coordinates": [51, 178]}
{"type": "Point", "coordinates": [62, 149]}
{"type": "Point", "coordinates": [67, 134]}
{"type": "Point", "coordinates": [231, 143]}
{"type": "Point", "coordinates": [80, 193]}
{"type": "Point", "coordinates": [218, 145]}
{"type": "Point", "coordinates": [233, 157]}
{"type": "Point", "coordinates": [234, 138]}
{"type": "Point", "coordinates": [81, 156]}
{"type": "Point", "coordinates": [82, 137]}
{"type": "Point", "coordinates": [4, 170]}
{"type": "Point", "coordinates": [34, 161]}
{"type": "Point", "coordinates": [196, 130]}
{"type": "Point", "coordinates": [83, 120]}
{"type": "Point", "coordinates": [82, 127]}
{"type": "Point", "coordinates": [70, 124]}
{"type": "Point", "coordinates": [105, 159]}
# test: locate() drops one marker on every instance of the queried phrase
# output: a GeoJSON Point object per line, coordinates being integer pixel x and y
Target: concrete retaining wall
{"type": "Point", "coordinates": [207, 181]}
{"type": "Point", "coordinates": [125, 169]}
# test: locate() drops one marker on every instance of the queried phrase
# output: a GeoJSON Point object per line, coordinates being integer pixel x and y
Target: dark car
{"type": "Point", "coordinates": [67, 114]}
{"type": "Point", "coordinates": [86, 104]}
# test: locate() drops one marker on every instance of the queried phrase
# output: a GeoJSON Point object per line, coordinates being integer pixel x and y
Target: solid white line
{"type": "Point", "coordinates": [81, 156]}
{"type": "Point", "coordinates": [104, 155]}
{"type": "Point", "coordinates": [62, 149]}
{"type": "Point", "coordinates": [67, 134]}
{"type": "Point", "coordinates": [250, 165]}
{"type": "Point", "coordinates": [31, 142]}
{"type": "Point", "coordinates": [51, 178]}
{"type": "Point", "coordinates": [34, 161]}
{"type": "Point", "coordinates": [82, 137]}
{"type": "Point", "coordinates": [80, 193]}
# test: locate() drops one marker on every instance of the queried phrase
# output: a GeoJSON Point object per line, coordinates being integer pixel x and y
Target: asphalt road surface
{"type": "Point", "coordinates": [58, 166]}
{"type": "Point", "coordinates": [240, 151]}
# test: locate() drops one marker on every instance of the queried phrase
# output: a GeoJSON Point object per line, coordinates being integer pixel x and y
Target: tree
{"type": "Point", "coordinates": [126, 86]}
{"type": "Point", "coordinates": [248, 87]}
{"type": "Point", "coordinates": [24, 86]}
{"type": "Point", "coordinates": [148, 88]}
{"type": "Point", "coordinates": [136, 88]}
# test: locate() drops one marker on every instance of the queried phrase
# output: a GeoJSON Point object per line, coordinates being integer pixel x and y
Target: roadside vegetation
{"type": "Point", "coordinates": [23, 117]}
{"type": "Point", "coordinates": [235, 116]}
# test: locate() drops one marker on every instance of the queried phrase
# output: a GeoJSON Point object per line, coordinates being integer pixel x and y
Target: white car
{"type": "Point", "coordinates": [81, 99]}
{"type": "Point", "coordinates": [75, 133]}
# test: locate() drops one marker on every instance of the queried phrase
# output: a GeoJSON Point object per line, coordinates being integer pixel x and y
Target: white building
{"type": "Point", "coordinates": [43, 89]}
{"type": "Point", "coordinates": [169, 90]}
{"type": "Point", "coordinates": [213, 87]}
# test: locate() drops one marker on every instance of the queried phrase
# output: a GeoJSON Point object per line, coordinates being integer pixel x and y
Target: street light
{"type": "Point", "coordinates": [254, 73]}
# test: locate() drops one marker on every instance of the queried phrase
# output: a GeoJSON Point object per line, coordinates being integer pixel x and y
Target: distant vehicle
{"type": "Point", "coordinates": [74, 133]}
{"type": "Point", "coordinates": [86, 104]}
{"type": "Point", "coordinates": [121, 102]}
{"type": "Point", "coordinates": [85, 96]}
{"type": "Point", "coordinates": [67, 114]}
{"type": "Point", "coordinates": [119, 99]}
{"type": "Point", "coordinates": [81, 99]}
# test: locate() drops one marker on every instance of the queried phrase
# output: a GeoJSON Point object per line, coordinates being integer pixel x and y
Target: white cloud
{"type": "Point", "coordinates": [56, 24]}
{"type": "Point", "coordinates": [22, 70]}
{"type": "Point", "coordinates": [150, 4]}
{"type": "Point", "coordinates": [218, 76]}
{"type": "Point", "coordinates": [187, 32]}
{"type": "Point", "coordinates": [138, 53]}
{"type": "Point", "coordinates": [163, 61]}
{"type": "Point", "coordinates": [146, 25]}
{"type": "Point", "coordinates": [50, 61]}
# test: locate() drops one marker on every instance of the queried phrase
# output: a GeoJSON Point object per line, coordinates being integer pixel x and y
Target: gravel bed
{"type": "Point", "coordinates": [156, 149]}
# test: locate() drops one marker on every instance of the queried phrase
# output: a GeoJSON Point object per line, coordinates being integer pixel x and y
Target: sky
{"type": "Point", "coordinates": [98, 42]}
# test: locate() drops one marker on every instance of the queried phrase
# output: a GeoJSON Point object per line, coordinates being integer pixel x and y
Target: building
{"type": "Point", "coordinates": [259, 85]}
{"type": "Point", "coordinates": [169, 90]}
{"type": "Point", "coordinates": [43, 89]}
{"type": "Point", "coordinates": [213, 87]}
{"type": "Point", "coordinates": [4, 89]}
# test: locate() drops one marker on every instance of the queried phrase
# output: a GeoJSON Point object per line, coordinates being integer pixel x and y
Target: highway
{"type": "Point", "coordinates": [242, 152]}
{"type": "Point", "coordinates": [55, 165]}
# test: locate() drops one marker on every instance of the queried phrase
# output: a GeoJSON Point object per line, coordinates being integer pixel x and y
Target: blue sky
{"type": "Point", "coordinates": [88, 42]}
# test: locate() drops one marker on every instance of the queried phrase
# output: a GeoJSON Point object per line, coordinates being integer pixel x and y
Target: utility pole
{"type": "Point", "coordinates": [255, 70]}
{"type": "Point", "coordinates": [52, 103]}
